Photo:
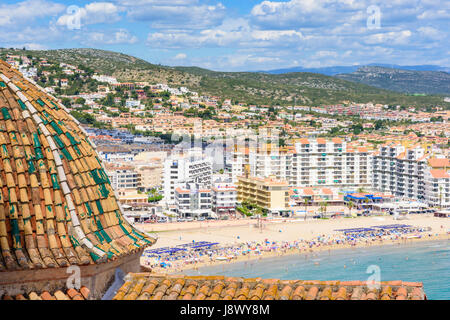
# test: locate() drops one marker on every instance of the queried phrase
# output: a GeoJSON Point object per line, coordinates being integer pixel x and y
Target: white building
{"type": "Point", "coordinates": [122, 177]}
{"type": "Point", "coordinates": [400, 170]}
{"type": "Point", "coordinates": [193, 200]}
{"type": "Point", "coordinates": [313, 162]}
{"type": "Point", "coordinates": [224, 199]}
{"type": "Point", "coordinates": [182, 169]}
{"type": "Point", "coordinates": [437, 187]}
{"type": "Point", "coordinates": [116, 156]}
{"type": "Point", "coordinates": [103, 78]}
{"type": "Point", "coordinates": [132, 103]}
{"type": "Point", "coordinates": [412, 173]}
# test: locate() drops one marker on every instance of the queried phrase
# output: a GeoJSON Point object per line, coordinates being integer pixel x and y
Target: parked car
{"type": "Point", "coordinates": [189, 219]}
{"type": "Point", "coordinates": [201, 219]}
{"type": "Point", "coordinates": [181, 220]}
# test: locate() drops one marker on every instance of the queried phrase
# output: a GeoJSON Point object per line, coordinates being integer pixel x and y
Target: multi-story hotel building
{"type": "Point", "coordinates": [122, 177]}
{"type": "Point", "coordinates": [437, 188]}
{"type": "Point", "coordinates": [400, 170]}
{"type": "Point", "coordinates": [268, 193]}
{"type": "Point", "coordinates": [224, 199]}
{"type": "Point", "coordinates": [310, 163]}
{"type": "Point", "coordinates": [183, 169]}
{"type": "Point", "coordinates": [193, 200]}
{"type": "Point", "coordinates": [149, 176]}
{"type": "Point", "coordinates": [412, 172]}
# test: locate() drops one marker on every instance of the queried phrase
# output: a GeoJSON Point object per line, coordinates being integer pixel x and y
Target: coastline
{"type": "Point", "coordinates": [301, 251]}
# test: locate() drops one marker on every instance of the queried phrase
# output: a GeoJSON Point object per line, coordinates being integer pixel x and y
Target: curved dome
{"type": "Point", "coordinates": [57, 207]}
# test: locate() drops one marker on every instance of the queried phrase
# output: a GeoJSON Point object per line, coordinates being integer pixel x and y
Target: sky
{"type": "Point", "coordinates": [238, 35]}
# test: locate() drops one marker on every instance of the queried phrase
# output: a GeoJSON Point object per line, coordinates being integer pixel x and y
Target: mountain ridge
{"type": "Point", "coordinates": [335, 70]}
{"type": "Point", "coordinates": [401, 80]}
{"type": "Point", "coordinates": [250, 87]}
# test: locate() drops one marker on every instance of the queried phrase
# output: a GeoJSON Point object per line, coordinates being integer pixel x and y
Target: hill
{"type": "Point", "coordinates": [250, 87]}
{"type": "Point", "coordinates": [408, 81]}
{"type": "Point", "coordinates": [335, 70]}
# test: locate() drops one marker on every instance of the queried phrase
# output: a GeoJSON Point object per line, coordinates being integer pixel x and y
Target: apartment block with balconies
{"type": "Point", "coordinates": [312, 163]}
{"type": "Point", "coordinates": [184, 169]}
{"type": "Point", "coordinates": [268, 193]}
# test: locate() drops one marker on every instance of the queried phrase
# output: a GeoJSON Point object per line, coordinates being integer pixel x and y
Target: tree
{"type": "Point", "coordinates": [306, 204]}
{"type": "Point", "coordinates": [357, 129]}
{"type": "Point", "coordinates": [80, 101]}
{"type": "Point", "coordinates": [350, 205]}
{"type": "Point", "coordinates": [66, 101]}
{"type": "Point", "coordinates": [379, 124]}
{"type": "Point", "coordinates": [323, 208]}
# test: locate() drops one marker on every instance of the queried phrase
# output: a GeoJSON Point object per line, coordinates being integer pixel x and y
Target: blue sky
{"type": "Point", "coordinates": [237, 35]}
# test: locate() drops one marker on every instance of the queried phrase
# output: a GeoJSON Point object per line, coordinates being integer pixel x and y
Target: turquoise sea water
{"type": "Point", "coordinates": [427, 262]}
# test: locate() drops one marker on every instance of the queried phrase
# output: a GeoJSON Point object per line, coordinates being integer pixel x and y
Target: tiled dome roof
{"type": "Point", "coordinates": [57, 207]}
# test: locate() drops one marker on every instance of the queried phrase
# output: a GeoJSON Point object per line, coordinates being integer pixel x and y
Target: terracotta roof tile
{"type": "Point", "coordinates": [70, 294]}
{"type": "Point", "coordinates": [43, 151]}
{"type": "Point", "coordinates": [175, 287]}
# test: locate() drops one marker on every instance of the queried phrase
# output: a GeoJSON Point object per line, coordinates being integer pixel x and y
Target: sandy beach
{"type": "Point", "coordinates": [232, 233]}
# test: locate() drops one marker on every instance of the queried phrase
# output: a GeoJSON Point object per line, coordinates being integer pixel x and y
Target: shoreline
{"type": "Point", "coordinates": [301, 251]}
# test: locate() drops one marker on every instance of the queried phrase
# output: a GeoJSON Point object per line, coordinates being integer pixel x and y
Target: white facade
{"type": "Point", "coordinates": [437, 188]}
{"type": "Point", "coordinates": [123, 178]}
{"type": "Point", "coordinates": [103, 78]}
{"type": "Point", "coordinates": [116, 156]}
{"type": "Point", "coordinates": [400, 171]}
{"type": "Point", "coordinates": [409, 173]}
{"type": "Point", "coordinates": [193, 200]}
{"type": "Point", "coordinates": [183, 169]}
{"type": "Point", "coordinates": [224, 198]}
{"type": "Point", "coordinates": [315, 162]}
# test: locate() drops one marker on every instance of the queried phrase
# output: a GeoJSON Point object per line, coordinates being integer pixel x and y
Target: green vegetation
{"type": "Point", "coordinates": [155, 198]}
{"type": "Point", "coordinates": [249, 209]}
{"type": "Point", "coordinates": [86, 118]}
{"type": "Point", "coordinates": [249, 87]}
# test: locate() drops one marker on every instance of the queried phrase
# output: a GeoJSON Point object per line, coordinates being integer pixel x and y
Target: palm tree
{"type": "Point", "coordinates": [350, 205]}
{"type": "Point", "coordinates": [324, 207]}
{"type": "Point", "coordinates": [306, 204]}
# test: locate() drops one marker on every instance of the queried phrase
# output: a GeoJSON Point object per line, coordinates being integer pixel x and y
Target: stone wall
{"type": "Point", "coordinates": [96, 277]}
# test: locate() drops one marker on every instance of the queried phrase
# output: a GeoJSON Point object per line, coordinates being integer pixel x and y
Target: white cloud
{"type": "Point", "coordinates": [306, 13]}
{"type": "Point", "coordinates": [232, 32]}
{"type": "Point", "coordinates": [180, 56]}
{"type": "Point", "coordinates": [390, 38]}
{"type": "Point", "coordinates": [434, 14]}
{"type": "Point", "coordinates": [430, 32]}
{"type": "Point", "coordinates": [34, 46]}
{"type": "Point", "coordinates": [92, 13]}
{"type": "Point", "coordinates": [27, 11]}
{"type": "Point", "coordinates": [31, 35]}
{"type": "Point", "coordinates": [176, 15]}
{"type": "Point", "coordinates": [121, 36]}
